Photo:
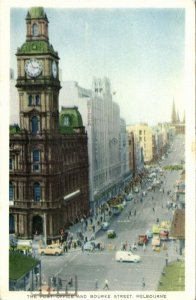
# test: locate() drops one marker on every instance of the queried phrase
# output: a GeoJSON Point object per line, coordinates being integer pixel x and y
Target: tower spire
{"type": "Point", "coordinates": [184, 118]}
{"type": "Point", "coordinates": [173, 116]}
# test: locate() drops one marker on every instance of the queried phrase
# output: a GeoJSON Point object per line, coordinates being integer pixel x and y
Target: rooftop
{"type": "Point", "coordinates": [36, 12]}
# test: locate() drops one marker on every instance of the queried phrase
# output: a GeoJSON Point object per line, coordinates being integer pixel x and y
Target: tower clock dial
{"type": "Point", "coordinates": [33, 68]}
{"type": "Point", "coordinates": [54, 69]}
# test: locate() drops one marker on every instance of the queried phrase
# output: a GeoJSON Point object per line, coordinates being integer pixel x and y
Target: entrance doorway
{"type": "Point", "coordinates": [37, 225]}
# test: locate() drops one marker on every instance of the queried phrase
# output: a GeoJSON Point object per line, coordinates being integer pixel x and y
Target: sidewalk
{"type": "Point", "coordinates": [91, 222]}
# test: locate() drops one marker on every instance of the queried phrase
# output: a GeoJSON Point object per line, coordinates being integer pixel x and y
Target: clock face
{"type": "Point", "coordinates": [54, 69]}
{"type": "Point", "coordinates": [33, 67]}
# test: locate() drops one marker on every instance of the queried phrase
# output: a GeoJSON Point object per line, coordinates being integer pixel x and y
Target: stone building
{"type": "Point", "coordinates": [48, 164]}
{"type": "Point", "coordinates": [143, 134]}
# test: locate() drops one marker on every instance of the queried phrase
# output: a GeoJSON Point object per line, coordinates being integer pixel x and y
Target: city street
{"type": "Point", "coordinates": [93, 268]}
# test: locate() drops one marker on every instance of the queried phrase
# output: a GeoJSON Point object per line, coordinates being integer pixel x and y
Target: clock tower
{"type": "Point", "coordinates": [38, 77]}
{"type": "Point", "coordinates": [48, 186]}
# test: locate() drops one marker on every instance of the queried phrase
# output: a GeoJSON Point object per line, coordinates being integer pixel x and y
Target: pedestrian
{"type": "Point", "coordinates": [157, 220]}
{"type": "Point", "coordinates": [53, 281]}
{"type": "Point", "coordinates": [134, 246]}
{"type": "Point", "coordinates": [152, 197]}
{"type": "Point", "coordinates": [37, 278]}
{"type": "Point", "coordinates": [106, 286]}
{"type": "Point", "coordinates": [153, 209]}
{"type": "Point", "coordinates": [82, 247]}
{"type": "Point", "coordinates": [135, 212]}
{"type": "Point", "coordinates": [70, 282]}
{"type": "Point", "coordinates": [96, 284]}
{"type": "Point", "coordinates": [59, 283]}
{"type": "Point", "coordinates": [126, 245]}
{"type": "Point", "coordinates": [143, 282]}
{"type": "Point", "coordinates": [66, 247]}
{"type": "Point", "coordinates": [144, 247]}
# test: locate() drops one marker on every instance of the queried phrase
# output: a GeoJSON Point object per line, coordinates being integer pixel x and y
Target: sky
{"type": "Point", "coordinates": [140, 50]}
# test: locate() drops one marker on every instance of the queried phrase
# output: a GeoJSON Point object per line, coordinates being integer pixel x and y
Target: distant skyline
{"type": "Point", "coordinates": [141, 51]}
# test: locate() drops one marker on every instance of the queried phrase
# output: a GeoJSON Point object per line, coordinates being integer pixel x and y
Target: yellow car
{"type": "Point", "coordinates": [50, 250]}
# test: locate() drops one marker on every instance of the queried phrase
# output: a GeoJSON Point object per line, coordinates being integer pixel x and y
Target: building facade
{"type": "Point", "coordinates": [48, 156]}
{"type": "Point", "coordinates": [143, 134]}
{"type": "Point", "coordinates": [106, 137]}
{"type": "Point", "coordinates": [124, 152]}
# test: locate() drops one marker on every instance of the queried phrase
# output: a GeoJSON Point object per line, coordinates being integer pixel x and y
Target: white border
{"type": "Point", "coordinates": [189, 5]}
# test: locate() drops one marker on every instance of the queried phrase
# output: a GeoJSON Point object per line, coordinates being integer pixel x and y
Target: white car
{"type": "Point", "coordinates": [105, 226]}
{"type": "Point", "coordinates": [127, 256]}
{"type": "Point", "coordinates": [136, 190]}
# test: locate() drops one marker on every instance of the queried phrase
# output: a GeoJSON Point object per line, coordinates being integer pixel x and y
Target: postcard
{"type": "Point", "coordinates": [98, 149]}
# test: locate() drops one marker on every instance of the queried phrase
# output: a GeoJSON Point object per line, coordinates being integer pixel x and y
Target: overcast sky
{"type": "Point", "coordinates": [140, 50]}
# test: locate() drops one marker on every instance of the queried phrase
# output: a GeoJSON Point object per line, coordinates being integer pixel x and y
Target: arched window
{"type": "Point", "coordinates": [34, 125]}
{"type": "Point", "coordinates": [66, 121]}
{"type": "Point", "coordinates": [36, 160]}
{"type": "Point", "coordinates": [37, 100]}
{"type": "Point", "coordinates": [36, 192]}
{"type": "Point", "coordinates": [30, 100]}
{"type": "Point", "coordinates": [35, 30]}
{"type": "Point", "coordinates": [11, 191]}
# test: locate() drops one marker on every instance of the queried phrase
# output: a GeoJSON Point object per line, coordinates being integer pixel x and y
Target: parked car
{"type": "Point", "coordinates": [50, 250]}
{"type": "Point", "coordinates": [127, 256]}
{"type": "Point", "coordinates": [129, 197]}
{"type": "Point", "coordinates": [156, 242]}
{"type": "Point", "coordinates": [105, 225]}
{"type": "Point", "coordinates": [136, 190]}
{"type": "Point", "coordinates": [149, 188]}
{"type": "Point", "coordinates": [117, 209]}
{"type": "Point", "coordinates": [93, 245]}
{"type": "Point", "coordinates": [111, 234]}
{"type": "Point", "coordinates": [142, 239]}
{"type": "Point", "coordinates": [149, 234]}
{"type": "Point", "coordinates": [164, 235]}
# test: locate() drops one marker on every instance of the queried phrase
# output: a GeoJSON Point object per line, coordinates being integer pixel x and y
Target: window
{"type": "Point", "coordinates": [30, 100]}
{"type": "Point", "coordinates": [36, 155]}
{"type": "Point", "coordinates": [37, 192]}
{"type": "Point", "coordinates": [33, 100]}
{"type": "Point", "coordinates": [36, 160]}
{"type": "Point", "coordinates": [34, 125]}
{"type": "Point", "coordinates": [66, 121]}
{"type": "Point", "coordinates": [35, 30]}
{"type": "Point", "coordinates": [11, 191]}
{"type": "Point", "coordinates": [11, 164]}
{"type": "Point", "coordinates": [37, 100]}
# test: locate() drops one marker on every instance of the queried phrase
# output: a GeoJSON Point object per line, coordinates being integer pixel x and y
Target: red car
{"type": "Point", "coordinates": [164, 234]}
{"type": "Point", "coordinates": [142, 239]}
